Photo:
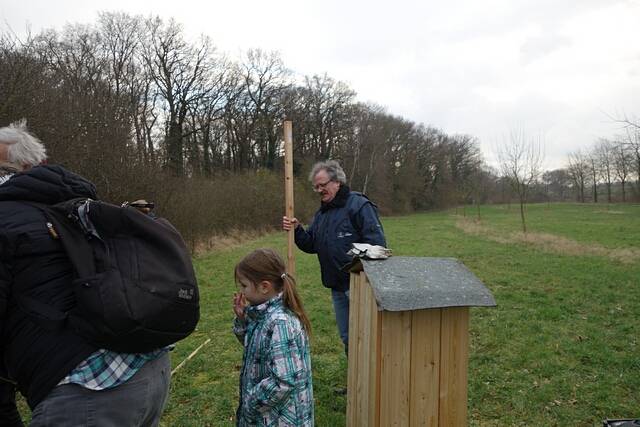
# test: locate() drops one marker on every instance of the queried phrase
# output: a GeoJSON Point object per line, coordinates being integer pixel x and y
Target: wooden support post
{"type": "Point", "coordinates": [454, 360]}
{"type": "Point", "coordinates": [425, 367]}
{"type": "Point", "coordinates": [395, 370]}
{"type": "Point", "coordinates": [288, 184]}
{"type": "Point", "coordinates": [364, 364]}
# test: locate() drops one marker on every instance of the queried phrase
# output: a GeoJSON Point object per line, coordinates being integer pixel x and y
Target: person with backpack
{"type": "Point", "coordinates": [66, 379]}
{"type": "Point", "coordinates": [276, 387]}
{"type": "Point", "coordinates": [344, 217]}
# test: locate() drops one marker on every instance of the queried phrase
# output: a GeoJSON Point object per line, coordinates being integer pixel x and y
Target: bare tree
{"type": "Point", "coordinates": [622, 164]}
{"type": "Point", "coordinates": [594, 171]}
{"type": "Point", "coordinates": [127, 77]}
{"type": "Point", "coordinates": [632, 127]}
{"type": "Point", "coordinates": [628, 121]}
{"type": "Point", "coordinates": [579, 172]}
{"type": "Point", "coordinates": [365, 144]}
{"type": "Point", "coordinates": [633, 144]}
{"type": "Point", "coordinates": [254, 111]}
{"type": "Point", "coordinates": [520, 161]}
{"type": "Point", "coordinates": [433, 173]}
{"type": "Point", "coordinates": [327, 104]}
{"type": "Point", "coordinates": [480, 183]}
{"type": "Point", "coordinates": [556, 184]}
{"type": "Point", "coordinates": [464, 160]}
{"type": "Point", "coordinates": [265, 80]}
{"type": "Point", "coordinates": [179, 70]}
{"type": "Point", "coordinates": [206, 122]}
{"type": "Point", "coordinates": [604, 154]}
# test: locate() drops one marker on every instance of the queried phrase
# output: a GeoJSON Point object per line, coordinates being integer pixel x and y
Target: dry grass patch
{"type": "Point", "coordinates": [549, 242]}
{"type": "Point", "coordinates": [610, 212]}
{"type": "Point", "coordinates": [230, 240]}
{"type": "Point", "coordinates": [475, 227]}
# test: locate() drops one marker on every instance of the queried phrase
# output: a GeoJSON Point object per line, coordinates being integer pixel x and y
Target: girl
{"type": "Point", "coordinates": [275, 381]}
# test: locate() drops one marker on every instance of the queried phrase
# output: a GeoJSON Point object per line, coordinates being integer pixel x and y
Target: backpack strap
{"type": "Point", "coordinates": [62, 224]}
{"type": "Point", "coordinates": [352, 210]}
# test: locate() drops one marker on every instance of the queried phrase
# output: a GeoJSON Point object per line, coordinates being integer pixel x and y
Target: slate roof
{"type": "Point", "coordinates": [414, 283]}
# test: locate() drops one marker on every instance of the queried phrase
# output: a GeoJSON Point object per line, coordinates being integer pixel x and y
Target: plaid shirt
{"type": "Point", "coordinates": [5, 178]}
{"type": "Point", "coordinates": [275, 382]}
{"type": "Point", "coordinates": [106, 369]}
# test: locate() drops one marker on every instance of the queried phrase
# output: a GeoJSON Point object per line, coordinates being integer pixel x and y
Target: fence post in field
{"type": "Point", "coordinates": [288, 184]}
{"type": "Point", "coordinates": [409, 341]}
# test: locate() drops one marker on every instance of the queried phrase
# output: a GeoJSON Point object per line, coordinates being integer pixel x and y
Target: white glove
{"type": "Point", "coordinates": [365, 250]}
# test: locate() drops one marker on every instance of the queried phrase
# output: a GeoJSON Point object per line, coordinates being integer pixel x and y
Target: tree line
{"type": "Point", "coordinates": [609, 167]}
{"type": "Point", "coordinates": [607, 171]}
{"type": "Point", "coordinates": [141, 110]}
{"type": "Point", "coordinates": [131, 103]}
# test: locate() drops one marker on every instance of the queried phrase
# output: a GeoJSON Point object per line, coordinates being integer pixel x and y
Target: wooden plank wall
{"type": "Point", "coordinates": [395, 372]}
{"type": "Point", "coordinates": [425, 367]}
{"type": "Point", "coordinates": [353, 371]}
{"type": "Point", "coordinates": [405, 368]}
{"type": "Point", "coordinates": [364, 341]}
{"type": "Point", "coordinates": [454, 359]}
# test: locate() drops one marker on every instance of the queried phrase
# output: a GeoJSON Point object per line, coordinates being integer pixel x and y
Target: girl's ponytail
{"type": "Point", "coordinates": [267, 264]}
{"type": "Point", "coordinates": [292, 300]}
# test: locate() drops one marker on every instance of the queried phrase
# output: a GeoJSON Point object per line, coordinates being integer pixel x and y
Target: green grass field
{"type": "Point", "coordinates": [561, 348]}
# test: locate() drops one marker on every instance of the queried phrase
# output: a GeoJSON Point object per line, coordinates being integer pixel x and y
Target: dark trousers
{"type": "Point", "coordinates": [138, 402]}
{"type": "Point", "coordinates": [341, 307]}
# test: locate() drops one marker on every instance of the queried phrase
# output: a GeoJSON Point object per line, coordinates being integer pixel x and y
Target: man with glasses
{"type": "Point", "coordinates": [344, 217]}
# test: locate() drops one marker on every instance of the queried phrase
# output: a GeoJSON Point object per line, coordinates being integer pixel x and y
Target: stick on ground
{"type": "Point", "coordinates": [193, 353]}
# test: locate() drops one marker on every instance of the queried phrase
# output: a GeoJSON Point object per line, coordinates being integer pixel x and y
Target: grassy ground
{"type": "Point", "coordinates": [614, 226]}
{"type": "Point", "coordinates": [561, 348]}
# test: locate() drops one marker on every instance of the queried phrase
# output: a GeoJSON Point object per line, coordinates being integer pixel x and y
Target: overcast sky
{"type": "Point", "coordinates": [556, 68]}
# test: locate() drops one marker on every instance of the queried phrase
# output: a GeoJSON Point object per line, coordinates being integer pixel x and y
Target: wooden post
{"type": "Point", "coordinates": [288, 184]}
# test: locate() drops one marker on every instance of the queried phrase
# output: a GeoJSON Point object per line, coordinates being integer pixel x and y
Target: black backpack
{"type": "Point", "coordinates": [135, 286]}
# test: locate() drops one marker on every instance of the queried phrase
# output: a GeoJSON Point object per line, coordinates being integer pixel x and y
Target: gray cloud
{"type": "Point", "coordinates": [536, 47]}
{"type": "Point", "coordinates": [551, 66]}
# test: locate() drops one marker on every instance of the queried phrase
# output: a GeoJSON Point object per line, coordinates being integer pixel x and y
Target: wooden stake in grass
{"type": "Point", "coordinates": [193, 353]}
{"type": "Point", "coordinates": [288, 184]}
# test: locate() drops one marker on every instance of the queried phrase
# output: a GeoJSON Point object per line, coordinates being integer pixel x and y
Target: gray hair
{"type": "Point", "coordinates": [23, 148]}
{"type": "Point", "coordinates": [332, 168]}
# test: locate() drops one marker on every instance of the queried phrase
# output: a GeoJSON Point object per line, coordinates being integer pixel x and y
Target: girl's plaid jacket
{"type": "Point", "coordinates": [275, 382]}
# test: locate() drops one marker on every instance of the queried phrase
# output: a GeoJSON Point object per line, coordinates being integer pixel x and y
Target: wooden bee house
{"type": "Point", "coordinates": [409, 341]}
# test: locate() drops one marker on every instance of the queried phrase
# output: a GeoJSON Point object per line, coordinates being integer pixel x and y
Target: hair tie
{"type": "Point", "coordinates": [283, 276]}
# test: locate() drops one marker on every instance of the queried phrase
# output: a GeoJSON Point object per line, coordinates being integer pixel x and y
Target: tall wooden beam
{"type": "Point", "coordinates": [288, 184]}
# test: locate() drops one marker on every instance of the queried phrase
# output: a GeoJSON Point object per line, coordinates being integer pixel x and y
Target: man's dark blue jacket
{"type": "Point", "coordinates": [34, 264]}
{"type": "Point", "coordinates": [332, 231]}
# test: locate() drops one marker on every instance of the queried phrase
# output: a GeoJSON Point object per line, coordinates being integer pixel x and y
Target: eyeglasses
{"type": "Point", "coordinates": [319, 186]}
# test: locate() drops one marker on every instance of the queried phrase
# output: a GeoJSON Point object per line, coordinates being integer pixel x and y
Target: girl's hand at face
{"type": "Point", "coordinates": [239, 303]}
